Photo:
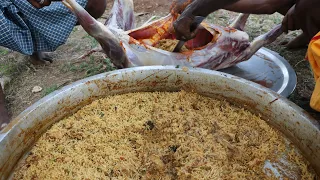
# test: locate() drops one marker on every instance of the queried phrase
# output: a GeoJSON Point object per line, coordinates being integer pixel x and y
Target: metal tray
{"type": "Point", "coordinates": [268, 69]}
{"type": "Point", "coordinates": [303, 131]}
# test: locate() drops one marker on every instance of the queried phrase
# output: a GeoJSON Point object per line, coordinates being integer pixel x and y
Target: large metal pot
{"type": "Point", "coordinates": [17, 138]}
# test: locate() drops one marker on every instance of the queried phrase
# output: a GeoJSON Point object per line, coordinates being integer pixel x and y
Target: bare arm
{"type": "Point", "coordinates": [205, 7]}
{"type": "Point", "coordinates": [261, 6]}
{"type": "Point", "coordinates": [303, 15]}
{"type": "Point", "coordinates": [190, 9]}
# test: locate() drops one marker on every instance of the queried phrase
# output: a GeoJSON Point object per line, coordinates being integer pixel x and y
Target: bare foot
{"type": "Point", "coordinates": [4, 116]}
{"type": "Point", "coordinates": [301, 41]}
{"type": "Point", "coordinates": [40, 58]}
{"type": "Point", "coordinates": [4, 80]}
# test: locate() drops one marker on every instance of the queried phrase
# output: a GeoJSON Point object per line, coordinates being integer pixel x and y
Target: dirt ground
{"type": "Point", "coordinates": [67, 68]}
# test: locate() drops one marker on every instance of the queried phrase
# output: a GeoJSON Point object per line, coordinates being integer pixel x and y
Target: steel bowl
{"type": "Point", "coordinates": [297, 126]}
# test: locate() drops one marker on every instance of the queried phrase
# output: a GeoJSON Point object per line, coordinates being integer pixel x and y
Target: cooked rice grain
{"type": "Point", "coordinates": [158, 135]}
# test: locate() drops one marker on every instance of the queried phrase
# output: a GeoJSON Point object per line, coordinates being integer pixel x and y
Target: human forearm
{"type": "Point", "coordinates": [205, 7]}
{"type": "Point", "coordinates": [260, 6]}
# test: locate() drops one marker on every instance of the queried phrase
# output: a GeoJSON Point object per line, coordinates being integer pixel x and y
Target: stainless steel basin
{"type": "Point", "coordinates": [19, 136]}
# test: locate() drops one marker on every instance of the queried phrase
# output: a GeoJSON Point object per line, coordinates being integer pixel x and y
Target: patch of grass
{"type": "Point", "coordinates": [94, 42]}
{"type": "Point", "coordinates": [3, 52]}
{"type": "Point", "coordinates": [75, 29]}
{"type": "Point", "coordinates": [277, 19]}
{"type": "Point", "coordinates": [95, 68]}
{"type": "Point", "coordinates": [78, 48]}
{"type": "Point", "coordinates": [50, 89]}
{"type": "Point", "coordinates": [109, 65]}
{"type": "Point", "coordinates": [221, 17]}
{"type": "Point", "coordinates": [92, 67]}
{"type": "Point", "coordinates": [8, 69]}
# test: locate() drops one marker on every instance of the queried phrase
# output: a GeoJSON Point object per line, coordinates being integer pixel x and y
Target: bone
{"type": "Point", "coordinates": [67, 5]}
{"type": "Point", "coordinates": [150, 20]}
{"type": "Point", "coordinates": [265, 39]}
{"type": "Point", "coordinates": [240, 21]}
{"type": "Point", "coordinates": [108, 41]}
{"type": "Point", "coordinates": [122, 15]}
{"type": "Point", "coordinates": [85, 19]}
{"type": "Point", "coordinates": [3, 126]}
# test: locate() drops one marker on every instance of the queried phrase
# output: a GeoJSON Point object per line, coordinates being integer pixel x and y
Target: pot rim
{"type": "Point", "coordinates": [13, 129]}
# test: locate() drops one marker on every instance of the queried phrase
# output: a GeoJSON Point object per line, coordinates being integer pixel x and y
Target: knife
{"type": "Point", "coordinates": [193, 27]}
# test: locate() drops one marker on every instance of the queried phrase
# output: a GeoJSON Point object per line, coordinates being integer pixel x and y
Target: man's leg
{"type": "Point", "coordinates": [4, 117]}
{"type": "Point", "coordinates": [38, 58]}
{"type": "Point", "coordinates": [299, 42]}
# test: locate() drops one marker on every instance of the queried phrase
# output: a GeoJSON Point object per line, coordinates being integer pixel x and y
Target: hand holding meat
{"type": "Point", "coordinates": [189, 10]}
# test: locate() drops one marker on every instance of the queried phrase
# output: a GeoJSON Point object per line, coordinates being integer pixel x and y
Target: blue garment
{"type": "Point", "coordinates": [26, 29]}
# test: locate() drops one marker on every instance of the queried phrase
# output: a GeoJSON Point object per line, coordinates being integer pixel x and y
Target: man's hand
{"type": "Point", "coordinates": [188, 26]}
{"type": "Point", "coordinates": [41, 3]}
{"type": "Point", "coordinates": [307, 14]}
{"type": "Point", "coordinates": [182, 27]}
{"type": "Point", "coordinates": [303, 15]}
{"type": "Point", "coordinates": [190, 10]}
{"type": "Point", "coordinates": [290, 22]}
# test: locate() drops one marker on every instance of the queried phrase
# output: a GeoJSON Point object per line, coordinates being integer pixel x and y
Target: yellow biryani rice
{"type": "Point", "coordinates": [159, 135]}
{"type": "Point", "coordinates": [169, 45]}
